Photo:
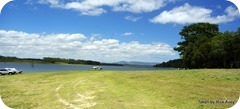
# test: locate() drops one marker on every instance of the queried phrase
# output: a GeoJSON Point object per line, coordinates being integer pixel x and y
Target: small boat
{"type": "Point", "coordinates": [97, 68]}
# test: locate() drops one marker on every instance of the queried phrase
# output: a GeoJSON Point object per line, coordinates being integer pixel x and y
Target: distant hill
{"type": "Point", "coordinates": [137, 63]}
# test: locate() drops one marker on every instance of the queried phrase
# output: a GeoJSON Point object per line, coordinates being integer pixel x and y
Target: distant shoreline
{"type": "Point", "coordinates": [53, 60]}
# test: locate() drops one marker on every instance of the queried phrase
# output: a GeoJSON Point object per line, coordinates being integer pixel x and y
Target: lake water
{"type": "Point", "coordinates": [27, 67]}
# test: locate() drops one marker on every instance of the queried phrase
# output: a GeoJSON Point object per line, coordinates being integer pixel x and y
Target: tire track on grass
{"type": "Point", "coordinates": [84, 99]}
{"type": "Point", "coordinates": [60, 99]}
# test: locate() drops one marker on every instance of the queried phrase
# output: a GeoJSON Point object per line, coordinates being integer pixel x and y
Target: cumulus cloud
{"type": "Point", "coordinates": [132, 18]}
{"type": "Point", "coordinates": [78, 46]}
{"type": "Point", "coordinates": [97, 7]}
{"type": "Point", "coordinates": [127, 34]}
{"type": "Point", "coordinates": [192, 14]}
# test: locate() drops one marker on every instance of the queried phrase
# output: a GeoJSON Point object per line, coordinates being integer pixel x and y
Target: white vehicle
{"type": "Point", "coordinates": [97, 68]}
{"type": "Point", "coordinates": [14, 70]}
{"type": "Point", "coordinates": [4, 71]}
{"type": "Point", "coordinates": [9, 71]}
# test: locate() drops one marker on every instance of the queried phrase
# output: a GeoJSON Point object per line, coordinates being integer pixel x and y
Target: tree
{"type": "Point", "coordinates": [218, 53]}
{"type": "Point", "coordinates": [196, 44]}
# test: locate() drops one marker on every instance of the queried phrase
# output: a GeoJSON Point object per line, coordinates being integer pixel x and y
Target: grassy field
{"type": "Point", "coordinates": [189, 89]}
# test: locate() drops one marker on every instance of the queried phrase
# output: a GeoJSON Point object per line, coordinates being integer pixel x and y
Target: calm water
{"type": "Point", "coordinates": [27, 67]}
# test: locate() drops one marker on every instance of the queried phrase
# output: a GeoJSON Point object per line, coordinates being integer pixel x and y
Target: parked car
{"type": "Point", "coordinates": [9, 71]}
{"type": "Point", "coordinates": [14, 70]}
{"type": "Point", "coordinates": [4, 71]}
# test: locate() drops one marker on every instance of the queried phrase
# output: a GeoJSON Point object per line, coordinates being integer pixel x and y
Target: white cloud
{"type": "Point", "coordinates": [127, 34]}
{"type": "Point", "coordinates": [85, 8]}
{"type": "Point", "coordinates": [232, 12]}
{"type": "Point", "coordinates": [132, 18]}
{"type": "Point", "coordinates": [192, 14]}
{"type": "Point", "coordinates": [97, 7]}
{"type": "Point", "coordinates": [52, 2]}
{"type": "Point", "coordinates": [22, 44]}
{"type": "Point", "coordinates": [95, 37]}
{"type": "Point", "coordinates": [139, 6]}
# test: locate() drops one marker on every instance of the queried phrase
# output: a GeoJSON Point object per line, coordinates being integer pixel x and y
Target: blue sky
{"type": "Point", "coordinates": [106, 30]}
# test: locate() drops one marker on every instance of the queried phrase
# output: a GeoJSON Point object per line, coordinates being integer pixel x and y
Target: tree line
{"type": "Point", "coordinates": [53, 60]}
{"type": "Point", "coordinates": [8, 58]}
{"type": "Point", "coordinates": [203, 46]}
{"type": "Point", "coordinates": [176, 63]}
{"type": "Point", "coordinates": [69, 61]}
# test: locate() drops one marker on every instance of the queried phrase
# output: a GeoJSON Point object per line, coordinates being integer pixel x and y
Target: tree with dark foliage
{"type": "Point", "coordinates": [176, 63]}
{"type": "Point", "coordinates": [203, 46]}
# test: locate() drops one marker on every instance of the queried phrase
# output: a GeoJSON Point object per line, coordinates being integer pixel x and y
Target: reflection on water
{"type": "Point", "coordinates": [29, 67]}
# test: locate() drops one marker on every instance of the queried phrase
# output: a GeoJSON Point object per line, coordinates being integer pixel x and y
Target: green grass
{"type": "Point", "coordinates": [121, 89]}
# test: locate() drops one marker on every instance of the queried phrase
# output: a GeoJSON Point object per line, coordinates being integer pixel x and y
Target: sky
{"type": "Point", "coordinates": [106, 30]}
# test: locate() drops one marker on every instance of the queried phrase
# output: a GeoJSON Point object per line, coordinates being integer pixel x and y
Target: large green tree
{"type": "Point", "coordinates": [196, 44]}
{"type": "Point", "coordinates": [203, 46]}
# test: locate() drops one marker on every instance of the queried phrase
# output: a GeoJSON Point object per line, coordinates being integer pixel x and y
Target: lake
{"type": "Point", "coordinates": [28, 67]}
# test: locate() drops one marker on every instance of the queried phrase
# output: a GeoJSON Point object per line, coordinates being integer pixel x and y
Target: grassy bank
{"type": "Point", "coordinates": [122, 89]}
